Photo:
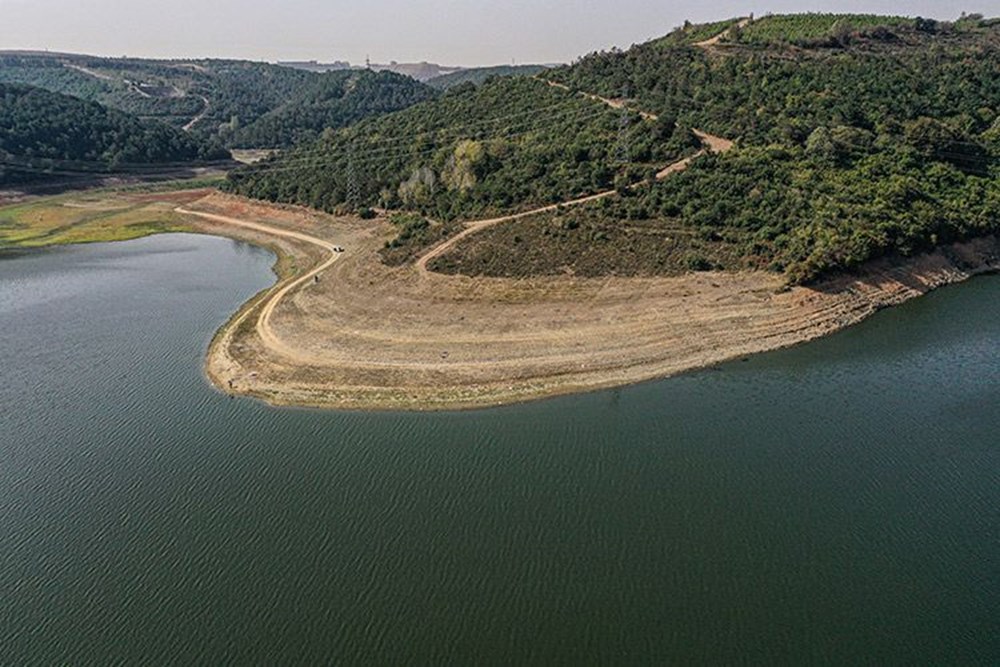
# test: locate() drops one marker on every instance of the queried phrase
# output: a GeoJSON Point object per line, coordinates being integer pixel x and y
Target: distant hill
{"type": "Point", "coordinates": [422, 71]}
{"type": "Point", "coordinates": [332, 100]}
{"type": "Point", "coordinates": [315, 66]}
{"type": "Point", "coordinates": [479, 75]}
{"type": "Point", "coordinates": [438, 76]}
{"type": "Point", "coordinates": [509, 144]}
{"type": "Point", "coordinates": [209, 98]}
{"type": "Point", "coordinates": [856, 136]}
{"type": "Point", "coordinates": [43, 132]}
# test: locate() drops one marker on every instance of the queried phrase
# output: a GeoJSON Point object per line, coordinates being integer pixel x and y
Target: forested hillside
{"type": "Point", "coordinates": [332, 100]}
{"type": "Point", "coordinates": [41, 132]}
{"type": "Point", "coordinates": [856, 136]}
{"type": "Point", "coordinates": [511, 144]}
{"type": "Point", "coordinates": [219, 99]}
{"type": "Point", "coordinates": [780, 93]}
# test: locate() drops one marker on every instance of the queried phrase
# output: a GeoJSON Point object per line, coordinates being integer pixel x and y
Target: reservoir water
{"type": "Point", "coordinates": [837, 503]}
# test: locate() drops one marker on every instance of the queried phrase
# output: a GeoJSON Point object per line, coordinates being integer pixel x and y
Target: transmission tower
{"type": "Point", "coordinates": [621, 149]}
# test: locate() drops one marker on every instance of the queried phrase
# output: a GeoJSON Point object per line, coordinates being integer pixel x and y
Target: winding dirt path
{"type": "Point", "coordinates": [279, 292]}
{"type": "Point", "coordinates": [714, 41]}
{"type": "Point", "coordinates": [614, 103]}
{"type": "Point", "coordinates": [710, 143]}
{"type": "Point", "coordinates": [264, 327]}
{"type": "Point", "coordinates": [309, 351]}
{"type": "Point", "coordinates": [85, 70]}
{"type": "Point", "coordinates": [479, 225]}
{"type": "Point", "coordinates": [197, 119]}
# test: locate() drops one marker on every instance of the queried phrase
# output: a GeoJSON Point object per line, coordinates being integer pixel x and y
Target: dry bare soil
{"type": "Point", "coordinates": [343, 330]}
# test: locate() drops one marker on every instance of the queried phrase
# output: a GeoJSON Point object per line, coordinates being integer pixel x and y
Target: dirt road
{"type": "Point", "coordinates": [201, 115]}
{"type": "Point", "coordinates": [479, 225]}
{"type": "Point", "coordinates": [714, 41]}
{"type": "Point", "coordinates": [279, 292]}
{"type": "Point", "coordinates": [298, 354]}
{"type": "Point", "coordinates": [370, 336]}
{"type": "Point", "coordinates": [89, 72]}
{"type": "Point", "coordinates": [611, 102]}
{"type": "Point", "coordinates": [711, 143]}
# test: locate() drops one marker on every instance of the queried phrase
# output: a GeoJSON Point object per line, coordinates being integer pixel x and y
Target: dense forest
{"type": "Point", "coordinates": [332, 100]}
{"type": "Point", "coordinates": [508, 145]}
{"type": "Point", "coordinates": [43, 132]}
{"type": "Point", "coordinates": [220, 99]}
{"type": "Point", "coordinates": [856, 137]}
{"type": "Point", "coordinates": [836, 30]}
{"type": "Point", "coordinates": [780, 94]}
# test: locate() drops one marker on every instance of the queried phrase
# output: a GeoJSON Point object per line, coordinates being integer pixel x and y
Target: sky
{"type": "Point", "coordinates": [469, 33]}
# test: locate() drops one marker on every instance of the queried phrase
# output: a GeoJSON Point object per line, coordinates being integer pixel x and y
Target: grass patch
{"type": "Point", "coordinates": [814, 29]}
{"type": "Point", "coordinates": [91, 219]}
{"type": "Point", "coordinates": [589, 242]}
{"type": "Point", "coordinates": [170, 186]}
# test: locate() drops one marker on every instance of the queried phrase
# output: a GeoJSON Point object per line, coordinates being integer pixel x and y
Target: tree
{"type": "Point", "coordinates": [820, 145]}
{"type": "Point", "coordinates": [841, 31]}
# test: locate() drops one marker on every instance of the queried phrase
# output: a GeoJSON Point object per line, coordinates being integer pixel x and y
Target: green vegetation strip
{"type": "Point", "coordinates": [62, 221]}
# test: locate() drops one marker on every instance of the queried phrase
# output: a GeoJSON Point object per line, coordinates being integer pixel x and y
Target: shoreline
{"type": "Point", "coordinates": [344, 331]}
{"type": "Point", "coordinates": [366, 377]}
{"type": "Point", "coordinates": [377, 399]}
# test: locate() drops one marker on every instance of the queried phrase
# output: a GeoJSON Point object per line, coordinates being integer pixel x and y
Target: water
{"type": "Point", "coordinates": [834, 503]}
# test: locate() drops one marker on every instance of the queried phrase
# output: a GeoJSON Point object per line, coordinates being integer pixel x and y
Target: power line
{"type": "Point", "coordinates": [442, 134]}
{"type": "Point", "coordinates": [325, 157]}
{"type": "Point", "coordinates": [594, 105]}
{"type": "Point", "coordinates": [316, 158]}
{"type": "Point", "coordinates": [308, 156]}
{"type": "Point", "coordinates": [353, 187]}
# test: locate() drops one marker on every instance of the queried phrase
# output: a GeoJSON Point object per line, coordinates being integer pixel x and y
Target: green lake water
{"type": "Point", "coordinates": [836, 503]}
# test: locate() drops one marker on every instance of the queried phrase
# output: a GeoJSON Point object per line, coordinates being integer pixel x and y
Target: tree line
{"type": "Point", "coordinates": [42, 131]}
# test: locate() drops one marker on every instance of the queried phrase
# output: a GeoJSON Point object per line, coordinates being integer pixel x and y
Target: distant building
{"type": "Point", "coordinates": [314, 66]}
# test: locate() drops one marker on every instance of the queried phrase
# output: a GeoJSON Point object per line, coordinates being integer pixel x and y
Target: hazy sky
{"type": "Point", "coordinates": [445, 31]}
